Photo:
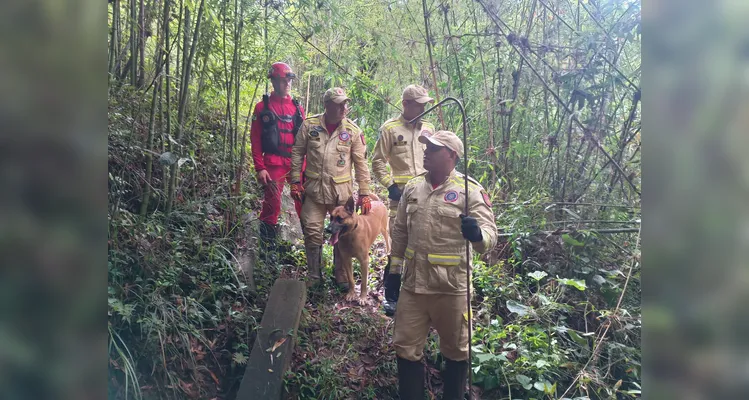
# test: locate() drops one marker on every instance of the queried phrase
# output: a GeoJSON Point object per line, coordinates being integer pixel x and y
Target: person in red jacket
{"type": "Point", "coordinates": [275, 122]}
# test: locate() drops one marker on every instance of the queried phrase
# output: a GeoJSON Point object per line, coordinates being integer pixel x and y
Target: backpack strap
{"type": "Point", "coordinates": [297, 116]}
{"type": "Point", "coordinates": [266, 99]}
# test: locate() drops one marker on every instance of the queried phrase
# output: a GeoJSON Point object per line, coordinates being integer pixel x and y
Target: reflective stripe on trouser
{"type": "Point", "coordinates": [313, 220]}
{"type": "Point", "coordinates": [414, 315]}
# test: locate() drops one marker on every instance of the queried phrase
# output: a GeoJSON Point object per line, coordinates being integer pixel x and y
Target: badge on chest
{"type": "Point", "coordinates": [400, 141]}
{"type": "Point", "coordinates": [344, 136]}
{"type": "Point", "coordinates": [314, 134]}
{"type": "Point", "coordinates": [451, 196]}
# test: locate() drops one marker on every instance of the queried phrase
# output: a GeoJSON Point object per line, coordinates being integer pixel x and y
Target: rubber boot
{"type": "Point", "coordinates": [454, 379]}
{"type": "Point", "coordinates": [390, 301]}
{"type": "Point", "coordinates": [410, 379]}
{"type": "Point", "coordinates": [314, 257]}
{"type": "Point", "coordinates": [269, 242]}
{"type": "Point", "coordinates": [340, 276]}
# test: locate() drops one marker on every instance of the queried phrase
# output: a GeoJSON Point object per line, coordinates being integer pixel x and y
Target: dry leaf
{"type": "Point", "coordinates": [278, 343]}
{"type": "Point", "coordinates": [215, 379]}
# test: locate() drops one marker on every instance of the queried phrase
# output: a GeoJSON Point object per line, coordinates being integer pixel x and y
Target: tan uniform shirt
{"type": "Point", "coordinates": [427, 234]}
{"type": "Point", "coordinates": [330, 157]}
{"type": "Point", "coordinates": [398, 145]}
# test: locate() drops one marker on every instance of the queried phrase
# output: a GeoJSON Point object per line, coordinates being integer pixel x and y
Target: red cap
{"type": "Point", "coordinates": [281, 70]}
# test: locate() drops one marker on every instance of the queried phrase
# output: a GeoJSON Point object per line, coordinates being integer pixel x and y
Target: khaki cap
{"type": "Point", "coordinates": [417, 93]}
{"type": "Point", "coordinates": [336, 94]}
{"type": "Point", "coordinates": [445, 139]}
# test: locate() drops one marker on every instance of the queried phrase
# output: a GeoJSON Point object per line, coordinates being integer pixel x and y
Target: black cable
{"type": "Point", "coordinates": [468, 244]}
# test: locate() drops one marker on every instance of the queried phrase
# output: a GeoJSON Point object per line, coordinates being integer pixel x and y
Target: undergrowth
{"type": "Point", "coordinates": [182, 318]}
{"type": "Point", "coordinates": [180, 314]}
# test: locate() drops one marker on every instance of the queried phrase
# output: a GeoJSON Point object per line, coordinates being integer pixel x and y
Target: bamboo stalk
{"type": "Point", "coordinates": [431, 62]}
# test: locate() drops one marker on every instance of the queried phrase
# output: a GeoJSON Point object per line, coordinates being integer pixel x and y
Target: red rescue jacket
{"type": "Point", "coordinates": [285, 110]}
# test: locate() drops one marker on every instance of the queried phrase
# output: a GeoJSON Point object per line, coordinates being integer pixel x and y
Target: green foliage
{"type": "Point", "coordinates": [178, 312]}
{"type": "Point", "coordinates": [535, 332]}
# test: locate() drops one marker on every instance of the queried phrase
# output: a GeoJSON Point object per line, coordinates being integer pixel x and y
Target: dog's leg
{"type": "Point", "coordinates": [348, 266]}
{"type": "Point", "coordinates": [364, 292]}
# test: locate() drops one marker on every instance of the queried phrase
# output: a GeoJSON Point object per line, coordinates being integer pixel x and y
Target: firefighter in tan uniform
{"type": "Point", "coordinates": [398, 146]}
{"type": "Point", "coordinates": [429, 239]}
{"type": "Point", "coordinates": [332, 144]}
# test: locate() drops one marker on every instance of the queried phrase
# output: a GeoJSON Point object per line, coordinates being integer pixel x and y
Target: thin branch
{"type": "Point", "coordinates": [559, 100]}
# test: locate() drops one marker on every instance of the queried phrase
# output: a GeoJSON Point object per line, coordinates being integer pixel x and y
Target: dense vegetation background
{"type": "Point", "coordinates": [551, 89]}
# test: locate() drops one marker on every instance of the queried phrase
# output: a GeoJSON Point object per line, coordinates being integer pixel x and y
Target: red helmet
{"type": "Point", "coordinates": [281, 70]}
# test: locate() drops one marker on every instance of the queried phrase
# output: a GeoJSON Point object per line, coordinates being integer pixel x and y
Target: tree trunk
{"type": "Point", "coordinates": [183, 94]}
{"type": "Point", "coordinates": [149, 156]}
{"type": "Point", "coordinates": [431, 61]}
{"type": "Point", "coordinates": [133, 42]}
{"type": "Point", "coordinates": [156, 92]}
{"type": "Point", "coordinates": [141, 44]}
{"type": "Point", "coordinates": [114, 44]}
{"type": "Point", "coordinates": [487, 102]}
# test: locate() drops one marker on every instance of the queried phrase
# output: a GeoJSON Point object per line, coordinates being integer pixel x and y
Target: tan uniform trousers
{"type": "Point", "coordinates": [313, 220]}
{"type": "Point", "coordinates": [414, 315]}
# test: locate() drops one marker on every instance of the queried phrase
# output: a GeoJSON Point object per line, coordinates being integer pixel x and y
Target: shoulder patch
{"type": "Point", "coordinates": [487, 200]}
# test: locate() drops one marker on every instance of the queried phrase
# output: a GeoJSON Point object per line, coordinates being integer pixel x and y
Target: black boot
{"type": "Point", "coordinates": [268, 241]}
{"type": "Point", "coordinates": [391, 293]}
{"type": "Point", "coordinates": [410, 379]}
{"type": "Point", "coordinates": [454, 379]}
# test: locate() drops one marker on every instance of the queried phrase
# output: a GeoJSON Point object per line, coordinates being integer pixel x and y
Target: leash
{"type": "Point", "coordinates": [468, 249]}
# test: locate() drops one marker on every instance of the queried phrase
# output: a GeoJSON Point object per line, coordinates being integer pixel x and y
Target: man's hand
{"type": "Point", "coordinates": [263, 177]}
{"type": "Point", "coordinates": [394, 193]}
{"type": "Point", "coordinates": [364, 203]}
{"type": "Point", "coordinates": [297, 191]}
{"type": "Point", "coordinates": [469, 226]}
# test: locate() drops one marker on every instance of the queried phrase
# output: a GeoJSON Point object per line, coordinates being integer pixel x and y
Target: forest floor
{"type": "Point", "coordinates": [344, 349]}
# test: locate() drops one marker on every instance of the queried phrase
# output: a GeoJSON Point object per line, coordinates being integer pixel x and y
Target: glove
{"type": "Point", "coordinates": [469, 226]}
{"type": "Point", "coordinates": [364, 203]}
{"type": "Point", "coordinates": [394, 193]}
{"type": "Point", "coordinates": [392, 287]}
{"type": "Point", "coordinates": [297, 191]}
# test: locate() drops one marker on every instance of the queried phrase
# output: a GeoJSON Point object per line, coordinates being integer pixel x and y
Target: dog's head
{"type": "Point", "coordinates": [342, 220]}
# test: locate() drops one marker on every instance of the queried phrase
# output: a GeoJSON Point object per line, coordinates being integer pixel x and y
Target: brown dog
{"type": "Point", "coordinates": [354, 235]}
